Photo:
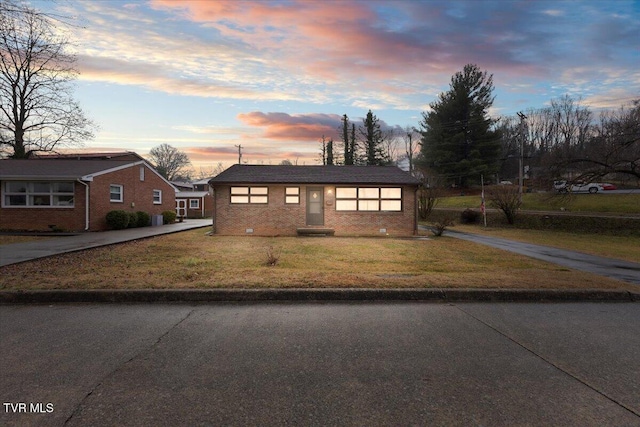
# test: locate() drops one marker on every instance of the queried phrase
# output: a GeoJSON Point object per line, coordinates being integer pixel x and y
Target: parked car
{"type": "Point", "coordinates": [577, 187]}
{"type": "Point", "coordinates": [607, 186]}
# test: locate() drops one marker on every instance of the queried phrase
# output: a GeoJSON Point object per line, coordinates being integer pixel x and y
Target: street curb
{"type": "Point", "coordinates": [299, 294]}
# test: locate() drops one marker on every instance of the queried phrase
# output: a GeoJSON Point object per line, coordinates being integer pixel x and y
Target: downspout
{"type": "Point", "coordinates": [215, 211]}
{"type": "Point", "coordinates": [86, 205]}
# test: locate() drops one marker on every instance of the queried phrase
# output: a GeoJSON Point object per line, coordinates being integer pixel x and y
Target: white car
{"type": "Point", "coordinates": [578, 187]}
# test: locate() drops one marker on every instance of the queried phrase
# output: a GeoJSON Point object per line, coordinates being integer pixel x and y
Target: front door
{"type": "Point", "coordinates": [315, 206]}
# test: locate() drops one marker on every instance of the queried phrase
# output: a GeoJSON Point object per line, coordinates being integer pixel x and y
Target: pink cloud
{"type": "Point", "coordinates": [296, 127]}
{"type": "Point", "coordinates": [334, 41]}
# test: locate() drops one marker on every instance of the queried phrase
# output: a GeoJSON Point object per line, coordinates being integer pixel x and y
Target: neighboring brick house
{"type": "Point", "coordinates": [194, 204]}
{"type": "Point", "coordinates": [75, 195]}
{"type": "Point", "coordinates": [290, 200]}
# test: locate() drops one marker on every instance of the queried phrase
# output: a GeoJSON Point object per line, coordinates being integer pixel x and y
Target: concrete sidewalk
{"type": "Point", "coordinates": [608, 267]}
{"type": "Point", "coordinates": [20, 252]}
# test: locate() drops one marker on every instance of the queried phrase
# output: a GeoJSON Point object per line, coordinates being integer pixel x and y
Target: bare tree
{"type": "Point", "coordinates": [170, 162]}
{"type": "Point", "coordinates": [614, 147]}
{"type": "Point", "coordinates": [37, 109]}
{"type": "Point", "coordinates": [209, 172]}
{"type": "Point", "coordinates": [507, 199]}
{"type": "Point", "coordinates": [411, 138]}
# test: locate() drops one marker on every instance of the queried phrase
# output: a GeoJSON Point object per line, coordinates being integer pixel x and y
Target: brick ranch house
{"type": "Point", "coordinates": [76, 194]}
{"type": "Point", "coordinates": [290, 200]}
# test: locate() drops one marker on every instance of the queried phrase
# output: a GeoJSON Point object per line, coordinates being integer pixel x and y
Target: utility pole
{"type": "Point", "coordinates": [239, 153]}
{"type": "Point", "coordinates": [520, 163]}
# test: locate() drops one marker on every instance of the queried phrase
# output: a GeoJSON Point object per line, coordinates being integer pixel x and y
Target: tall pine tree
{"type": "Point", "coordinates": [373, 141]}
{"type": "Point", "coordinates": [458, 139]}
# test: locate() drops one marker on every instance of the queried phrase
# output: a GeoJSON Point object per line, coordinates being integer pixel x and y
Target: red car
{"type": "Point", "coordinates": [609, 187]}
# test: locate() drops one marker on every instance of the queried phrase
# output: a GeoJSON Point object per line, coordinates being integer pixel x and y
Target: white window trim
{"type": "Point", "coordinates": [121, 200]}
{"type": "Point", "coordinates": [197, 206]}
{"type": "Point", "coordinates": [28, 194]}
{"type": "Point", "coordinates": [154, 197]}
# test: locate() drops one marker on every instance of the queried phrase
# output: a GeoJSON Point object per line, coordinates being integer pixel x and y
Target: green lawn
{"type": "Point", "coordinates": [601, 203]}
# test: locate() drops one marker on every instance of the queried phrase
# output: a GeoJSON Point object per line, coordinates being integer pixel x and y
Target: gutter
{"type": "Point", "coordinates": [86, 203]}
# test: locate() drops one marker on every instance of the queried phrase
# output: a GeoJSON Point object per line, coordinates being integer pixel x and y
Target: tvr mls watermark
{"type": "Point", "coordinates": [28, 407]}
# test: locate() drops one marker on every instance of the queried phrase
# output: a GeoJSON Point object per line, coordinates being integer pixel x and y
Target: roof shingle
{"type": "Point", "coordinates": [281, 174]}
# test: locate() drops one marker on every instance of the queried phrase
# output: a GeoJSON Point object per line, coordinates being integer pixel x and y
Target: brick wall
{"type": "Point", "coordinates": [46, 219]}
{"type": "Point", "coordinates": [138, 195]}
{"type": "Point", "coordinates": [278, 218]}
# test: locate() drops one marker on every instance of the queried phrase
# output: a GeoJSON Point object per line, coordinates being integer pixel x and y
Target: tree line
{"type": "Point", "coordinates": [457, 141]}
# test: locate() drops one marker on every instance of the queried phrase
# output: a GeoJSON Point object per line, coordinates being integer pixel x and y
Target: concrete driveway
{"type": "Point", "coordinates": [322, 364]}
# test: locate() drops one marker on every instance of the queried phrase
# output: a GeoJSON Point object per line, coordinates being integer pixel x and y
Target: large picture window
{"type": "Point", "coordinates": [253, 195]}
{"type": "Point", "coordinates": [39, 194]}
{"type": "Point", "coordinates": [376, 199]}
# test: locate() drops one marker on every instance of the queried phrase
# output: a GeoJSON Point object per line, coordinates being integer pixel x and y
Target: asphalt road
{"type": "Point", "coordinates": [305, 364]}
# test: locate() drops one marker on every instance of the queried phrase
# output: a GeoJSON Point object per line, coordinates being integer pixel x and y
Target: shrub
{"type": "Point", "coordinates": [439, 227]}
{"type": "Point", "coordinates": [168, 217]}
{"type": "Point", "coordinates": [273, 256]}
{"type": "Point", "coordinates": [117, 220]}
{"type": "Point", "coordinates": [469, 216]}
{"type": "Point", "coordinates": [507, 199]}
{"type": "Point", "coordinates": [133, 220]}
{"type": "Point", "coordinates": [144, 219]}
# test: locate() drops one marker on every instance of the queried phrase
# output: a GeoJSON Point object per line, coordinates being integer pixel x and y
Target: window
{"type": "Point", "coordinates": [141, 173]}
{"type": "Point", "coordinates": [157, 197]}
{"type": "Point", "coordinates": [369, 199]}
{"type": "Point", "coordinates": [292, 195]}
{"type": "Point", "coordinates": [194, 203]}
{"type": "Point", "coordinates": [39, 194]}
{"type": "Point", "coordinates": [116, 193]}
{"type": "Point", "coordinates": [253, 195]}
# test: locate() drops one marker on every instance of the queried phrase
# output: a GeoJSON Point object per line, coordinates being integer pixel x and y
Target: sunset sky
{"type": "Point", "coordinates": [274, 76]}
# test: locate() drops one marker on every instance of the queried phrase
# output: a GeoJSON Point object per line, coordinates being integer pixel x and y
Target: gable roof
{"type": "Point", "coordinates": [63, 169]}
{"type": "Point", "coordinates": [284, 174]}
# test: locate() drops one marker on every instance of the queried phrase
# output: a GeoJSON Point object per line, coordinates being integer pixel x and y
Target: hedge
{"type": "Point", "coordinates": [117, 220]}
{"type": "Point", "coordinates": [613, 225]}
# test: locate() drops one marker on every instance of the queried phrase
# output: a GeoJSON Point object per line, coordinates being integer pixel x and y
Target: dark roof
{"type": "Point", "coordinates": [263, 174]}
{"type": "Point", "coordinates": [120, 155]}
{"type": "Point", "coordinates": [56, 168]}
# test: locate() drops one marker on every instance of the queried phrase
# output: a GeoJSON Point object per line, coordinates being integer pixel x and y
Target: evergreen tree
{"type": "Point", "coordinates": [457, 136]}
{"type": "Point", "coordinates": [348, 148]}
{"type": "Point", "coordinates": [329, 160]}
{"type": "Point", "coordinates": [373, 141]}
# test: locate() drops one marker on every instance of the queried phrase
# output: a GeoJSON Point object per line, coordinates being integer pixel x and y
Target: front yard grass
{"type": "Point", "coordinates": [620, 204]}
{"type": "Point", "coordinates": [620, 247]}
{"type": "Point", "coordinates": [194, 260]}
